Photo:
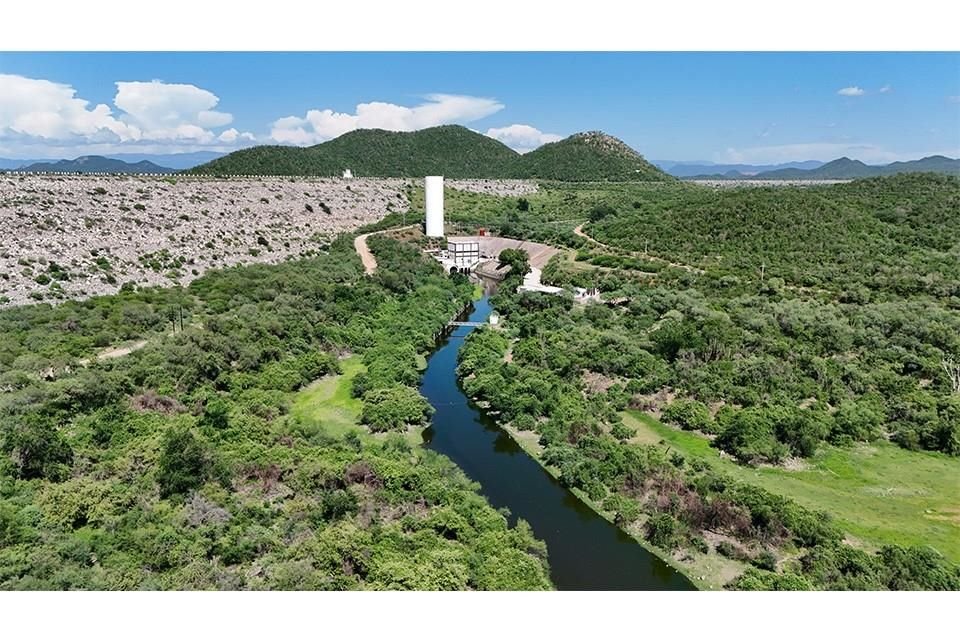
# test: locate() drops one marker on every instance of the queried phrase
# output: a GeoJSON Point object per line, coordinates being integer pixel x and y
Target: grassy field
{"type": "Point", "coordinates": [879, 493]}
{"type": "Point", "coordinates": [328, 400]}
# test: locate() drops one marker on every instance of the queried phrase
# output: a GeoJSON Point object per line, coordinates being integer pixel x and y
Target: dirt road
{"type": "Point", "coordinates": [792, 287]}
{"type": "Point", "coordinates": [369, 262]}
{"type": "Point", "coordinates": [366, 256]}
{"type": "Point", "coordinates": [636, 254]}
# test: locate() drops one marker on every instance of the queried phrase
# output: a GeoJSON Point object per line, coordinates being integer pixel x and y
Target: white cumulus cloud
{"type": "Point", "coordinates": [170, 111]}
{"type": "Point", "coordinates": [35, 108]}
{"type": "Point", "coordinates": [231, 135]}
{"type": "Point", "coordinates": [39, 117]}
{"type": "Point", "coordinates": [886, 89]}
{"type": "Point", "coordinates": [439, 108]}
{"type": "Point", "coordinates": [851, 91]}
{"type": "Point", "coordinates": [522, 137]}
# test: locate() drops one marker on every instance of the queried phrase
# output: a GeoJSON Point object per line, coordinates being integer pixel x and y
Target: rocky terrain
{"type": "Point", "coordinates": [502, 188]}
{"type": "Point", "coordinates": [77, 236]}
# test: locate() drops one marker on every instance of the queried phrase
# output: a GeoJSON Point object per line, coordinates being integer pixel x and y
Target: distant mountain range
{"type": "Point", "coordinates": [845, 169]}
{"type": "Point", "coordinates": [96, 164]}
{"type": "Point", "coordinates": [450, 150]}
{"type": "Point", "coordinates": [11, 164]}
{"type": "Point", "coordinates": [458, 152]}
{"type": "Point", "coordinates": [177, 161]}
{"type": "Point", "coordinates": [161, 163]}
{"type": "Point", "coordinates": [684, 169]}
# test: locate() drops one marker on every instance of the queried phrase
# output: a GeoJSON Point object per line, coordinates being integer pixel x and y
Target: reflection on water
{"type": "Point", "coordinates": [585, 551]}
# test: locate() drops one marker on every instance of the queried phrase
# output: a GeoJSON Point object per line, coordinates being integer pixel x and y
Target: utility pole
{"type": "Point", "coordinates": [763, 267]}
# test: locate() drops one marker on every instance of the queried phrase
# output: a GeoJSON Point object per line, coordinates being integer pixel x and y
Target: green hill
{"type": "Point", "coordinates": [452, 151]}
{"type": "Point", "coordinates": [590, 156]}
{"type": "Point", "coordinates": [889, 235]}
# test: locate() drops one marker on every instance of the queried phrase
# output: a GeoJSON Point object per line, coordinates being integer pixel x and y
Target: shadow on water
{"type": "Point", "coordinates": [585, 550]}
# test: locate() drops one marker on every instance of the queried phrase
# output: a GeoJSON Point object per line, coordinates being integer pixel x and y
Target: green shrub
{"type": "Point", "coordinates": [759, 580]}
{"type": "Point", "coordinates": [750, 436]}
{"type": "Point", "coordinates": [765, 560]}
{"type": "Point", "coordinates": [732, 551]}
{"type": "Point", "coordinates": [395, 408]}
{"type": "Point", "coordinates": [622, 432]}
{"type": "Point", "coordinates": [689, 415]}
{"type": "Point", "coordinates": [524, 422]}
{"type": "Point", "coordinates": [183, 464]}
{"type": "Point", "coordinates": [662, 530]}
{"type": "Point", "coordinates": [35, 447]}
{"type": "Point", "coordinates": [11, 528]}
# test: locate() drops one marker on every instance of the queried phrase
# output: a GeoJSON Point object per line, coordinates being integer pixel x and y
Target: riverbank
{"type": "Point", "coordinates": [702, 580]}
{"type": "Point", "coordinates": [586, 550]}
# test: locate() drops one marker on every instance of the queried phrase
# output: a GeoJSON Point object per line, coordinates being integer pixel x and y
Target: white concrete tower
{"type": "Point", "coordinates": [434, 201]}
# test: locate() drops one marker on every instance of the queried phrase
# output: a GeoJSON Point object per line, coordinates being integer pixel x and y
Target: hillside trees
{"type": "Point", "coordinates": [876, 364]}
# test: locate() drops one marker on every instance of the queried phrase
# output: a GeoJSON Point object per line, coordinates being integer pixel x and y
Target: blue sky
{"type": "Point", "coordinates": [722, 107]}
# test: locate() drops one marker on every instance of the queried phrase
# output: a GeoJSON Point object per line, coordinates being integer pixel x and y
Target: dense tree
{"type": "Point", "coordinates": [35, 447]}
{"type": "Point", "coordinates": [517, 260]}
{"type": "Point", "coordinates": [184, 462]}
{"type": "Point", "coordinates": [395, 408]}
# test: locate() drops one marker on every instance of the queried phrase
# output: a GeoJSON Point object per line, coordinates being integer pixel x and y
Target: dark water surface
{"type": "Point", "coordinates": [585, 551]}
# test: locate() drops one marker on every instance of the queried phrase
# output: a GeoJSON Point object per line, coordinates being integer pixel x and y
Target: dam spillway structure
{"type": "Point", "coordinates": [434, 205]}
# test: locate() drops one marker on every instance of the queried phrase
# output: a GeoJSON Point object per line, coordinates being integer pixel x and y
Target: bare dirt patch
{"type": "Point", "coordinates": [653, 403]}
{"type": "Point", "coordinates": [119, 352]}
{"type": "Point", "coordinates": [153, 401]}
{"type": "Point", "coordinates": [596, 382]}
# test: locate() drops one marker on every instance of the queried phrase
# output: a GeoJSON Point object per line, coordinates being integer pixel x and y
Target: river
{"type": "Point", "coordinates": [586, 552]}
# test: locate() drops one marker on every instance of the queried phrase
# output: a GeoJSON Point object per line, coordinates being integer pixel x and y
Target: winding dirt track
{"type": "Point", "coordinates": [366, 256]}
{"type": "Point", "coordinates": [792, 287]}
{"type": "Point", "coordinates": [636, 254]}
{"type": "Point", "coordinates": [369, 262]}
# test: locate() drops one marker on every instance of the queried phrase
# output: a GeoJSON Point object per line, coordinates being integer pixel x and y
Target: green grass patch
{"type": "Point", "coordinates": [879, 493]}
{"type": "Point", "coordinates": [328, 400]}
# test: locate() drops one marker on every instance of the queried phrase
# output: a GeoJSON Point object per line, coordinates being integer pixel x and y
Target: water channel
{"type": "Point", "coordinates": [586, 552]}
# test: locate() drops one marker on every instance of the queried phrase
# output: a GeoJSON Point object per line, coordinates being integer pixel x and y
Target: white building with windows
{"type": "Point", "coordinates": [463, 253]}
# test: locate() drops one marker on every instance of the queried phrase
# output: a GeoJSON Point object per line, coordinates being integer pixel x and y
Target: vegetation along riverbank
{"type": "Point", "coordinates": [786, 428]}
{"type": "Point", "coordinates": [211, 459]}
